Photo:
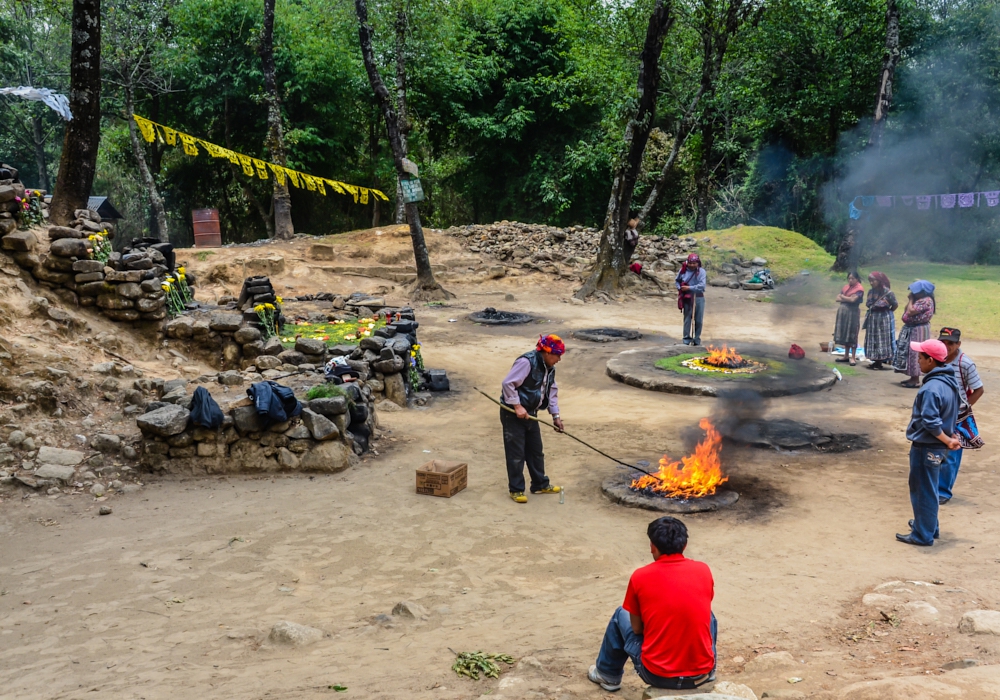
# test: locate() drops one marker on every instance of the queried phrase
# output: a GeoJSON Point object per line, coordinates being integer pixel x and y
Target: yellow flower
{"type": "Point", "coordinates": [413, 353]}
{"type": "Point", "coordinates": [91, 237]}
{"type": "Point", "coordinates": [417, 346]}
{"type": "Point", "coordinates": [258, 308]}
{"type": "Point", "coordinates": [165, 287]}
{"type": "Point", "coordinates": [181, 270]}
{"type": "Point", "coordinates": [269, 306]}
{"type": "Point", "coordinates": [170, 279]}
{"type": "Point", "coordinates": [280, 300]}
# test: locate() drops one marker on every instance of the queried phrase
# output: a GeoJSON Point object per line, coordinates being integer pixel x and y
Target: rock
{"type": "Point", "coordinates": [906, 688]}
{"type": "Point", "coordinates": [105, 510]}
{"type": "Point", "coordinates": [273, 346]}
{"type": "Point", "coordinates": [20, 241]}
{"type": "Point", "coordinates": [287, 459]}
{"type": "Point", "coordinates": [770, 661]}
{"type": "Point", "coordinates": [225, 323]}
{"type": "Point", "coordinates": [129, 452]}
{"type": "Point", "coordinates": [180, 327]}
{"type": "Point", "coordinates": [118, 276]}
{"type": "Point", "coordinates": [787, 693]}
{"type": "Point", "coordinates": [247, 420]}
{"type": "Point", "coordinates": [54, 471]}
{"type": "Point", "coordinates": [87, 266]}
{"type": "Point", "coordinates": [16, 437]}
{"type": "Point", "coordinates": [292, 357]}
{"type": "Point", "coordinates": [103, 442]}
{"type": "Point", "coordinates": [293, 634]}
{"type": "Point", "coordinates": [166, 421]}
{"type": "Point", "coordinates": [736, 690]}
{"type": "Point", "coordinates": [320, 427]}
{"type": "Point", "coordinates": [878, 600]}
{"type": "Point", "coordinates": [310, 346]}
{"type": "Point", "coordinates": [98, 489]}
{"type": "Point", "coordinates": [265, 362]}
{"type": "Point", "coordinates": [231, 378]}
{"type": "Point", "coordinates": [411, 610]}
{"type": "Point", "coordinates": [230, 353]}
{"type": "Point", "coordinates": [330, 456]}
{"type": "Point", "coordinates": [247, 334]}
{"type": "Point", "coordinates": [920, 611]}
{"type": "Point", "coordinates": [332, 406]}
{"type": "Point", "coordinates": [69, 248]}
{"type": "Point", "coordinates": [56, 455]}
{"type": "Point", "coordinates": [961, 663]}
{"type": "Point", "coordinates": [758, 262]}
{"type": "Point", "coordinates": [395, 389]}
{"type": "Point", "coordinates": [391, 366]}
{"type": "Point", "coordinates": [980, 622]}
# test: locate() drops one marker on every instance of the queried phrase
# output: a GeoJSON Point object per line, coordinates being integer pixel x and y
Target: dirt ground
{"type": "Point", "coordinates": [174, 593]}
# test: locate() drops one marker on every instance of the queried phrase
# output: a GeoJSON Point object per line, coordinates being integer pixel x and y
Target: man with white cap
{"type": "Point", "coordinates": [931, 433]}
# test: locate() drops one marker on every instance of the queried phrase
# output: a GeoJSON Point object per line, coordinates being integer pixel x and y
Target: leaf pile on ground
{"type": "Point", "coordinates": [472, 663]}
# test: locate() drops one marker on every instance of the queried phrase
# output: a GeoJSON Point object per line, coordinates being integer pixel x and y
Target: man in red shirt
{"type": "Point", "coordinates": [665, 625]}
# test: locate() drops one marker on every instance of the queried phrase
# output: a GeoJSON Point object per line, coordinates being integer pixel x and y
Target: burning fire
{"type": "Point", "coordinates": [723, 357]}
{"type": "Point", "coordinates": [700, 475]}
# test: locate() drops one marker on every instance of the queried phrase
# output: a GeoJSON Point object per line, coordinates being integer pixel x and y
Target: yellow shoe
{"type": "Point", "coordinates": [518, 497]}
{"type": "Point", "coordinates": [549, 489]}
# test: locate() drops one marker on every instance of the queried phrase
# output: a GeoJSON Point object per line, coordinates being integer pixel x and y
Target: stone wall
{"type": "Point", "coordinates": [325, 438]}
{"type": "Point", "coordinates": [126, 288]}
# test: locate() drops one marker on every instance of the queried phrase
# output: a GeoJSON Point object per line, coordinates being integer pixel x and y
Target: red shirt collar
{"type": "Point", "coordinates": [669, 558]}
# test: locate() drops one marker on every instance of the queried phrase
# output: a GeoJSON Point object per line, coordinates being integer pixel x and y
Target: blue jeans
{"type": "Point", "coordinates": [949, 473]}
{"type": "Point", "coordinates": [925, 473]}
{"type": "Point", "coordinates": [621, 643]}
{"type": "Point", "coordinates": [694, 313]}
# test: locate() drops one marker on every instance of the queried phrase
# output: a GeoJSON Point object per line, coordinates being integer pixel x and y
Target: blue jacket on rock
{"type": "Point", "coordinates": [935, 408]}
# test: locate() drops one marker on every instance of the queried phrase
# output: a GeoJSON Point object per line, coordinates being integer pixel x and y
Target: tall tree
{"type": "Point", "coordinates": [138, 31]}
{"type": "Point", "coordinates": [846, 253]}
{"type": "Point", "coordinates": [402, 21]}
{"type": "Point", "coordinates": [83, 134]}
{"type": "Point", "coordinates": [283, 227]}
{"type": "Point", "coordinates": [426, 287]}
{"type": "Point", "coordinates": [611, 262]}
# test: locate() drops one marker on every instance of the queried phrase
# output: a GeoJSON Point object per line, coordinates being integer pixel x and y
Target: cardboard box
{"type": "Point", "coordinates": [440, 478]}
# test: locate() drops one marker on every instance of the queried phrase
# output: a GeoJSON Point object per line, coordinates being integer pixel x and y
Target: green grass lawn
{"type": "Point", "coordinates": [346, 333]}
{"type": "Point", "coordinates": [968, 296]}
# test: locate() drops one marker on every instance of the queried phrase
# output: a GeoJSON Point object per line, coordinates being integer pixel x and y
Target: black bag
{"type": "Point", "coordinates": [204, 410]}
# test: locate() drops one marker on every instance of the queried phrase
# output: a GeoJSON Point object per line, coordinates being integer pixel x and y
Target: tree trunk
{"type": "Point", "coordinates": [703, 176]}
{"type": "Point", "coordinates": [883, 101]}
{"type": "Point", "coordinates": [426, 287]}
{"type": "Point", "coordinates": [38, 139]}
{"type": "Point", "coordinates": [266, 216]}
{"type": "Point", "coordinates": [83, 134]}
{"type": "Point", "coordinates": [283, 227]}
{"type": "Point", "coordinates": [846, 256]}
{"type": "Point", "coordinates": [155, 201]}
{"type": "Point", "coordinates": [404, 115]}
{"type": "Point", "coordinates": [611, 262]}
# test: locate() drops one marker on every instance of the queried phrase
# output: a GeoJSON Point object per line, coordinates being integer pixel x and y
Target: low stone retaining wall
{"type": "Point", "coordinates": [326, 438]}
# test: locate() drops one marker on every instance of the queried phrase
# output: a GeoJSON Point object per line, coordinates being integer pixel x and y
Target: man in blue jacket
{"type": "Point", "coordinates": [931, 432]}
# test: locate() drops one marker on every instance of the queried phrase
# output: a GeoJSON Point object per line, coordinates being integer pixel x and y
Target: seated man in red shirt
{"type": "Point", "coordinates": [666, 625]}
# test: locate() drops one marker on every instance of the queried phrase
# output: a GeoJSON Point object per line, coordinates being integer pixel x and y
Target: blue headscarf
{"type": "Point", "coordinates": [921, 287]}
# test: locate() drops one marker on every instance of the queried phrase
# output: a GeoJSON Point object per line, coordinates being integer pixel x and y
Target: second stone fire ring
{"type": "Point", "coordinates": [617, 489]}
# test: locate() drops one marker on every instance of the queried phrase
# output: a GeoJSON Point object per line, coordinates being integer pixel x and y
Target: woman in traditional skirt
{"type": "Point", "coordinates": [920, 308]}
{"type": "Point", "coordinates": [848, 325]}
{"type": "Point", "coordinates": [880, 322]}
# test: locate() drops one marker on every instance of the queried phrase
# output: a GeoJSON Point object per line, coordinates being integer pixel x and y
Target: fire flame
{"type": "Point", "coordinates": [723, 357]}
{"type": "Point", "coordinates": [700, 475]}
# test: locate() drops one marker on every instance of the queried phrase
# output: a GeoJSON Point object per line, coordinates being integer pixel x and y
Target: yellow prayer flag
{"type": "Point", "coordinates": [189, 144]}
{"type": "Point", "coordinates": [320, 186]}
{"type": "Point", "coordinates": [170, 135]}
{"type": "Point", "coordinates": [146, 127]}
{"type": "Point", "coordinates": [293, 176]}
{"type": "Point", "coordinates": [261, 168]}
{"type": "Point", "coordinates": [336, 187]}
{"type": "Point", "coordinates": [279, 173]}
{"type": "Point", "coordinates": [364, 195]}
{"type": "Point", "coordinates": [247, 163]}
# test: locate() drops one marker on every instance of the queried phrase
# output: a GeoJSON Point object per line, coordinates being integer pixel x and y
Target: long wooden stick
{"type": "Point", "coordinates": [585, 444]}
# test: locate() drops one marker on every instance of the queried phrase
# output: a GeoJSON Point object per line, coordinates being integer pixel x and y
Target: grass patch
{"type": "Point", "coordinates": [673, 364]}
{"type": "Point", "coordinates": [325, 391]}
{"type": "Point", "coordinates": [845, 369]}
{"type": "Point", "coordinates": [203, 254]}
{"type": "Point", "coordinates": [787, 253]}
{"type": "Point", "coordinates": [346, 333]}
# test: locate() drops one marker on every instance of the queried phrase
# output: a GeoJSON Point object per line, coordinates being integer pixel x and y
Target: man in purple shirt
{"type": "Point", "coordinates": [528, 388]}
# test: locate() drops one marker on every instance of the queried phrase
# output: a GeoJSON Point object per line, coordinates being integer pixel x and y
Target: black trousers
{"type": "Point", "coordinates": [522, 442]}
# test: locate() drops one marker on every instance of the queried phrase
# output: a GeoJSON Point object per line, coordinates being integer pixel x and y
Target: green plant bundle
{"type": "Point", "coordinates": [324, 391]}
{"type": "Point", "coordinates": [472, 663]}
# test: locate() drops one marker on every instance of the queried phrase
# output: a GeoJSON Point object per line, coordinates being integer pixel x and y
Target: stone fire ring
{"type": "Point", "coordinates": [616, 488]}
{"type": "Point", "coordinates": [606, 335]}
{"type": "Point", "coordinates": [638, 368]}
{"type": "Point", "coordinates": [500, 318]}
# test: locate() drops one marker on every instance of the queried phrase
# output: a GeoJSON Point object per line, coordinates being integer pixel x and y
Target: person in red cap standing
{"type": "Point", "coordinates": [931, 433]}
{"type": "Point", "coordinates": [528, 388]}
{"type": "Point", "coordinates": [691, 281]}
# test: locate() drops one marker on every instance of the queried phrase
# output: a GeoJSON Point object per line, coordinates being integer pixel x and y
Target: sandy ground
{"type": "Point", "coordinates": [173, 595]}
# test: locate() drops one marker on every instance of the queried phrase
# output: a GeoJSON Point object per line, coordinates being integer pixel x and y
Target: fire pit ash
{"type": "Point", "coordinates": [492, 317]}
{"type": "Point", "coordinates": [689, 485]}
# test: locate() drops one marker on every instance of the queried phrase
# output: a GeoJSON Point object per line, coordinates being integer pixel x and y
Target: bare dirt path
{"type": "Point", "coordinates": [173, 595]}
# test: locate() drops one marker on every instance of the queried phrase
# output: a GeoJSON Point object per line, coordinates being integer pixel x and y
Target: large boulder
{"type": "Point", "coordinates": [330, 456]}
{"type": "Point", "coordinates": [979, 622]}
{"type": "Point", "coordinates": [320, 427]}
{"type": "Point", "coordinates": [225, 323]}
{"type": "Point", "coordinates": [164, 422]}
{"type": "Point", "coordinates": [310, 346]}
{"type": "Point", "coordinates": [292, 357]}
{"type": "Point", "coordinates": [69, 248]}
{"type": "Point", "coordinates": [54, 471]}
{"type": "Point", "coordinates": [264, 362]}
{"type": "Point", "coordinates": [20, 241]}
{"type": "Point", "coordinates": [247, 334]}
{"type": "Point", "coordinates": [57, 232]}
{"type": "Point", "coordinates": [247, 420]}
{"type": "Point", "coordinates": [329, 407]}
{"type": "Point", "coordinates": [395, 389]}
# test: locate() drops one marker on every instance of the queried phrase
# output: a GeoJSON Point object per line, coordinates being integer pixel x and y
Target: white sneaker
{"type": "Point", "coordinates": [595, 677]}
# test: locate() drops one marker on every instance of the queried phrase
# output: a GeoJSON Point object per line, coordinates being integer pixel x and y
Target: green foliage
{"type": "Point", "coordinates": [325, 391]}
{"type": "Point", "coordinates": [332, 333]}
{"type": "Point", "coordinates": [788, 253]}
{"type": "Point", "coordinates": [472, 663]}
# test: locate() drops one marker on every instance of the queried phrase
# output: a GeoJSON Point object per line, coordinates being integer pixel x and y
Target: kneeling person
{"type": "Point", "coordinates": [665, 625]}
{"type": "Point", "coordinates": [528, 388]}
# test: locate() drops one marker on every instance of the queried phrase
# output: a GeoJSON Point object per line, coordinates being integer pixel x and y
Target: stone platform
{"type": "Point", "coordinates": [638, 368]}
